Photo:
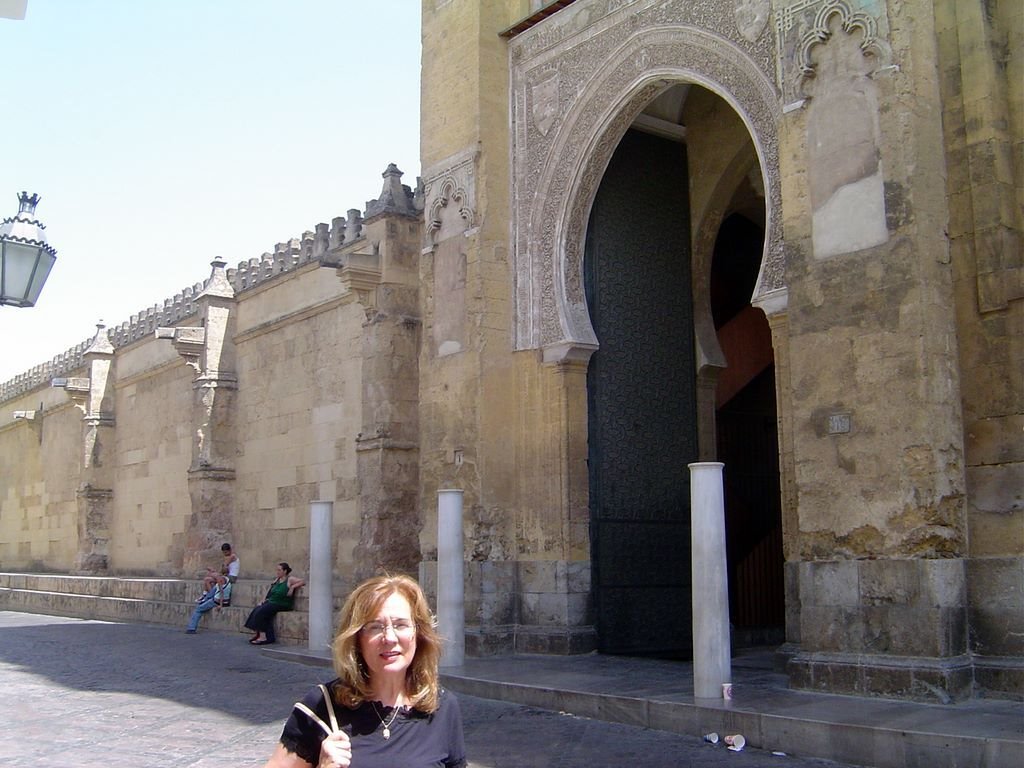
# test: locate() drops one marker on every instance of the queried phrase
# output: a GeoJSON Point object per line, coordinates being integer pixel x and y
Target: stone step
{"type": "Point", "coordinates": [146, 600]}
{"type": "Point", "coordinates": [245, 591]}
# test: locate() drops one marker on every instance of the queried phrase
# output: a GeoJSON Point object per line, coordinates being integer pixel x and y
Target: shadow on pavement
{"type": "Point", "coordinates": [206, 670]}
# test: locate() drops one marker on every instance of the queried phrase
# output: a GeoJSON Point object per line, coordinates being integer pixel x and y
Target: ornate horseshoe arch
{"type": "Point", "coordinates": [557, 172]}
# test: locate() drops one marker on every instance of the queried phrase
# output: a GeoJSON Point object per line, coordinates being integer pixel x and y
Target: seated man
{"type": "Point", "coordinates": [216, 596]}
{"type": "Point", "coordinates": [230, 568]}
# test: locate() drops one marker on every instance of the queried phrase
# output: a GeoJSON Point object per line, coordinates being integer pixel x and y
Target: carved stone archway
{"type": "Point", "coordinates": [565, 134]}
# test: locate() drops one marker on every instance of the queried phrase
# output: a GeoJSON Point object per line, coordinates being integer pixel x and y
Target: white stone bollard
{"type": "Point", "coordinates": [321, 575]}
{"type": "Point", "coordinates": [451, 610]}
{"type": "Point", "coordinates": [711, 651]}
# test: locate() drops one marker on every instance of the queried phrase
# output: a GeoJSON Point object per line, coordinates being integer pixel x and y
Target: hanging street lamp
{"type": "Point", "coordinates": [25, 257]}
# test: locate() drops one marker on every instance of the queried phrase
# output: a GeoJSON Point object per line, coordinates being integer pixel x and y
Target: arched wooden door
{"type": "Point", "coordinates": [641, 399]}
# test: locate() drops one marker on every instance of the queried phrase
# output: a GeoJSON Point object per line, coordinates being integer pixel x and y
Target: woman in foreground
{"type": "Point", "coordinates": [386, 708]}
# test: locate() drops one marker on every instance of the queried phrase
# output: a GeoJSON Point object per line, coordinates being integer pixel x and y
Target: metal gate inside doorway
{"type": "Point", "coordinates": [641, 400]}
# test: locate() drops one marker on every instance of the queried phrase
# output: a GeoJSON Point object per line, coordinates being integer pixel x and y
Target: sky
{"type": "Point", "coordinates": [162, 134]}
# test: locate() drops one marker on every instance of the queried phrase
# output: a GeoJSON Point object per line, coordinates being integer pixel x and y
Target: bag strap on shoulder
{"type": "Point", "coordinates": [330, 706]}
{"type": "Point", "coordinates": [328, 729]}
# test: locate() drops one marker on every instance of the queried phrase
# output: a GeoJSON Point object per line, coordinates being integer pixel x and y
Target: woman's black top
{"type": "Point", "coordinates": [416, 740]}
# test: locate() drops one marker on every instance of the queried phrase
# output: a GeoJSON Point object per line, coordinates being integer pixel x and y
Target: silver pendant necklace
{"type": "Point", "coordinates": [386, 733]}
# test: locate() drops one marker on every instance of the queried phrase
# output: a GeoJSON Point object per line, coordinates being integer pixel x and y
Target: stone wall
{"type": "Point", "coordinates": [220, 414]}
{"type": "Point", "coordinates": [299, 401]}
{"type": "Point", "coordinates": [38, 484]}
{"type": "Point", "coordinates": [152, 453]}
{"type": "Point", "coordinates": [981, 79]}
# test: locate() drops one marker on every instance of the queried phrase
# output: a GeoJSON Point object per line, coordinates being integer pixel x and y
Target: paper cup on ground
{"type": "Point", "coordinates": [711, 738]}
{"type": "Point", "coordinates": [736, 742]}
{"type": "Point", "coordinates": [727, 691]}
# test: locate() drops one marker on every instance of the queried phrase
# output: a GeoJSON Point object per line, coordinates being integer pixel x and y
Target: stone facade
{"type": "Point", "coordinates": [872, 278]}
{"type": "Point", "coordinates": [855, 194]}
{"type": "Point", "coordinates": [220, 415]}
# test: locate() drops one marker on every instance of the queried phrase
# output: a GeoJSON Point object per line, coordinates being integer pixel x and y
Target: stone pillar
{"type": "Point", "coordinates": [95, 397]}
{"type": "Point", "coordinates": [876, 559]}
{"type": "Point", "coordinates": [210, 351]}
{"type": "Point", "coordinates": [382, 275]}
{"type": "Point", "coordinates": [711, 639]}
{"type": "Point", "coordinates": [451, 608]}
{"type": "Point", "coordinates": [387, 452]}
{"type": "Point", "coordinates": [321, 575]}
{"type": "Point", "coordinates": [774, 307]}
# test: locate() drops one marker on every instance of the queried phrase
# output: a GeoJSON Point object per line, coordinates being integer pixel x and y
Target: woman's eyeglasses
{"type": "Point", "coordinates": [401, 627]}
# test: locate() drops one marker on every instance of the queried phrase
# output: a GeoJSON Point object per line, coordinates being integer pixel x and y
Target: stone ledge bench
{"type": "Point", "coordinates": [148, 600]}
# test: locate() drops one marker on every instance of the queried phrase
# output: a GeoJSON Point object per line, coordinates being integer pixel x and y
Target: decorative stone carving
{"type": "Point", "coordinates": [395, 197]}
{"type": "Point", "coordinates": [838, 57]}
{"type": "Point", "coordinates": [801, 24]}
{"type": "Point", "coordinates": [849, 22]}
{"type": "Point", "coordinates": [449, 193]}
{"type": "Point", "coordinates": [77, 389]}
{"type": "Point", "coordinates": [751, 17]}
{"type": "Point", "coordinates": [449, 196]}
{"type": "Point", "coordinates": [612, 59]}
{"type": "Point", "coordinates": [545, 102]}
{"type": "Point", "coordinates": [187, 342]}
{"type": "Point", "coordinates": [360, 276]}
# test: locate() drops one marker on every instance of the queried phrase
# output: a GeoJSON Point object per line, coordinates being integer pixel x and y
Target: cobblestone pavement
{"type": "Point", "coordinates": [90, 694]}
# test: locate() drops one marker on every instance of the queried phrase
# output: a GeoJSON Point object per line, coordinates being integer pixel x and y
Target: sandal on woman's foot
{"type": "Point", "coordinates": [262, 642]}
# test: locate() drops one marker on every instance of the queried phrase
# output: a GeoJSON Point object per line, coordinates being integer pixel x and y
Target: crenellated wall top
{"type": "Point", "coordinates": [317, 246]}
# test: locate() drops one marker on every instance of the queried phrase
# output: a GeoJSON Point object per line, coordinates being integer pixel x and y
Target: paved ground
{"type": "Point", "coordinates": [89, 694]}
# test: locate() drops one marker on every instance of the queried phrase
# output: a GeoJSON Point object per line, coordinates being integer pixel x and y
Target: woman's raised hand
{"type": "Point", "coordinates": [335, 751]}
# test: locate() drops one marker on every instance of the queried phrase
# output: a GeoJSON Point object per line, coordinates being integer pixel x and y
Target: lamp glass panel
{"type": "Point", "coordinates": [42, 272]}
{"type": "Point", "coordinates": [18, 262]}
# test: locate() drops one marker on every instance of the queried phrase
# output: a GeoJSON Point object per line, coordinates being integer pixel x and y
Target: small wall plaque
{"type": "Point", "coordinates": [838, 423]}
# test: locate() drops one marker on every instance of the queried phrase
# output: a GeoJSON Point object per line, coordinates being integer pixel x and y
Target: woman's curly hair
{"type": "Point", "coordinates": [362, 606]}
